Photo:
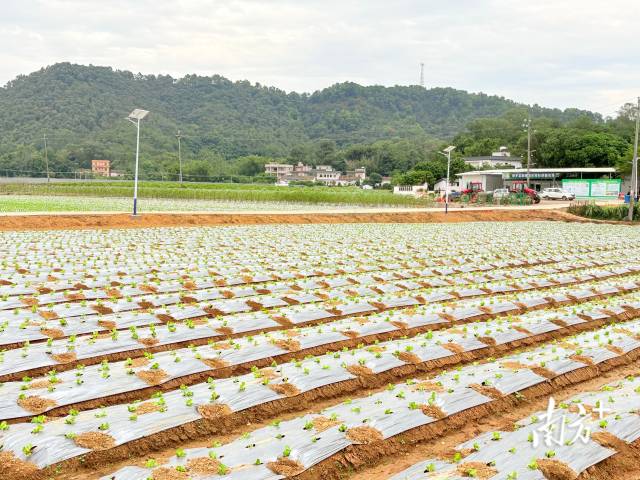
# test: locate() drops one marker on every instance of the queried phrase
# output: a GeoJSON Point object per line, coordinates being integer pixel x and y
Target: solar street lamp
{"type": "Point", "coordinates": [135, 117]}
{"type": "Point", "coordinates": [447, 153]}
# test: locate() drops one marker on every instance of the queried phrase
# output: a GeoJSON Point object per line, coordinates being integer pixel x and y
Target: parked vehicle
{"type": "Point", "coordinates": [557, 194]}
{"type": "Point", "coordinates": [501, 193]}
{"type": "Point", "coordinates": [521, 187]}
{"type": "Point", "coordinates": [473, 188]}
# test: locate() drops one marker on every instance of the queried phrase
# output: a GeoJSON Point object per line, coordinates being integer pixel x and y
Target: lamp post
{"type": "Point", "coordinates": [135, 117]}
{"type": "Point", "coordinates": [447, 153]}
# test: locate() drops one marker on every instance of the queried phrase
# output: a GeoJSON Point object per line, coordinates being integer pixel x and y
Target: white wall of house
{"type": "Point", "coordinates": [441, 186]}
{"type": "Point", "coordinates": [466, 180]}
{"type": "Point", "coordinates": [494, 163]}
{"type": "Point", "coordinates": [413, 190]}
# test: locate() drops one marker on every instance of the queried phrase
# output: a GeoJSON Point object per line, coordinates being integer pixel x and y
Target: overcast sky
{"type": "Point", "coordinates": [558, 53]}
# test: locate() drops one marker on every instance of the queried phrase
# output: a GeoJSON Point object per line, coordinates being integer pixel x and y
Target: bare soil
{"type": "Point", "coordinates": [13, 467]}
{"type": "Point", "coordinates": [103, 221]}
{"type": "Point", "coordinates": [286, 467]}
{"type": "Point", "coordinates": [35, 404]}
{"type": "Point", "coordinates": [203, 466]}
{"type": "Point", "coordinates": [95, 441]}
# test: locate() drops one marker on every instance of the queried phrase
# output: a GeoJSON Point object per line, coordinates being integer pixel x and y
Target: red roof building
{"type": "Point", "coordinates": [101, 167]}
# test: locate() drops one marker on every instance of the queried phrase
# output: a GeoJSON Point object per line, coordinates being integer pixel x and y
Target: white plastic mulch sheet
{"type": "Point", "coordinates": [514, 455]}
{"type": "Point", "coordinates": [391, 412]}
{"type": "Point", "coordinates": [109, 379]}
{"type": "Point", "coordinates": [104, 380]}
{"type": "Point", "coordinates": [38, 355]}
{"type": "Point", "coordinates": [31, 325]}
{"type": "Point", "coordinates": [87, 294]}
{"type": "Point", "coordinates": [420, 470]}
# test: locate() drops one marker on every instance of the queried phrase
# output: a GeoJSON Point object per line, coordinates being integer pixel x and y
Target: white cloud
{"type": "Point", "coordinates": [553, 52]}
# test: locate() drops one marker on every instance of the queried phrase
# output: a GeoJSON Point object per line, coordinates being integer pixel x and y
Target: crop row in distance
{"type": "Point", "coordinates": [65, 254]}
{"type": "Point", "coordinates": [17, 203]}
{"type": "Point", "coordinates": [199, 299]}
{"type": "Point", "coordinates": [315, 304]}
{"type": "Point", "coordinates": [133, 292]}
{"type": "Point", "coordinates": [227, 192]}
{"type": "Point", "coordinates": [124, 293]}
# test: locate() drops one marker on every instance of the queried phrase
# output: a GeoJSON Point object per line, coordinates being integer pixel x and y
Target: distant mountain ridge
{"type": "Point", "coordinates": [82, 109]}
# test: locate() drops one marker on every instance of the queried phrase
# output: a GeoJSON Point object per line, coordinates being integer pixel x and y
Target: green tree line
{"type": "Point", "coordinates": [579, 141]}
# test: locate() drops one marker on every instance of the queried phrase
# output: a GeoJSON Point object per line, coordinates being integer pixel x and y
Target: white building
{"type": "Point", "coordinates": [584, 182]}
{"type": "Point", "coordinates": [500, 158]}
{"type": "Point", "coordinates": [286, 173]}
{"type": "Point", "coordinates": [413, 190]}
{"type": "Point", "coordinates": [328, 176]}
{"type": "Point", "coordinates": [441, 186]}
{"type": "Point", "coordinates": [278, 169]}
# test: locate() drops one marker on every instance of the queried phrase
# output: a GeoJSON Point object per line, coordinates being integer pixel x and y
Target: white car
{"type": "Point", "coordinates": [557, 194]}
{"type": "Point", "coordinates": [501, 193]}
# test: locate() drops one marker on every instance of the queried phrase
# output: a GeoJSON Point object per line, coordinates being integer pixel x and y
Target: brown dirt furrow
{"type": "Point", "coordinates": [624, 464]}
{"type": "Point", "coordinates": [74, 221]}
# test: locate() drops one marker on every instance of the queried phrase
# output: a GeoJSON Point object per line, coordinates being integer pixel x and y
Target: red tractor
{"type": "Point", "coordinates": [473, 188]}
{"type": "Point", "coordinates": [520, 186]}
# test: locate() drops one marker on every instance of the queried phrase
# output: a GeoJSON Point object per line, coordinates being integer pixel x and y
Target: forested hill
{"type": "Point", "coordinates": [82, 111]}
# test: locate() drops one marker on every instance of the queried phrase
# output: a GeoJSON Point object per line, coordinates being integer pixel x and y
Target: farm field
{"type": "Point", "coordinates": [362, 351]}
{"type": "Point", "coordinates": [217, 192]}
{"type": "Point", "coordinates": [60, 203]}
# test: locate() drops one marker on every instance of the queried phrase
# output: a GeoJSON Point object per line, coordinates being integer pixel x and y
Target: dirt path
{"type": "Point", "coordinates": [121, 220]}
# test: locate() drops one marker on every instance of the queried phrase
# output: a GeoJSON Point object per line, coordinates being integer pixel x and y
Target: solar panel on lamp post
{"type": "Point", "coordinates": [135, 117]}
{"type": "Point", "coordinates": [447, 153]}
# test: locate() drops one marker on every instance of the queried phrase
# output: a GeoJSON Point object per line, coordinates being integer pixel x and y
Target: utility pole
{"type": "Point", "coordinates": [422, 75]}
{"type": "Point", "coordinates": [46, 156]}
{"type": "Point", "coordinates": [179, 136]}
{"type": "Point", "coordinates": [634, 166]}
